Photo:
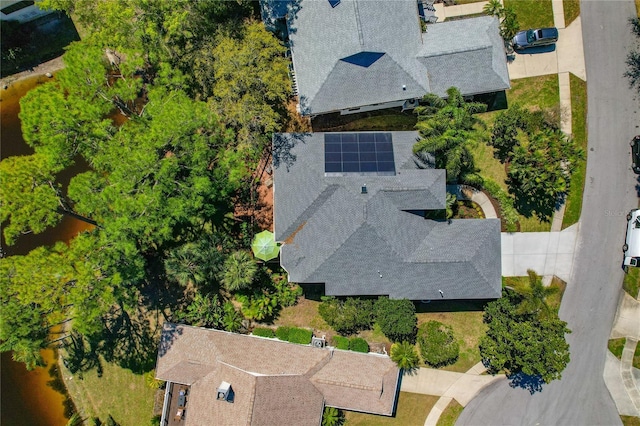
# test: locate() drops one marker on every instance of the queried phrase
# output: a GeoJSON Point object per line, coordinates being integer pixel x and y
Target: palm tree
{"type": "Point", "coordinates": [332, 417]}
{"type": "Point", "coordinates": [238, 271]}
{"type": "Point", "coordinates": [493, 8]}
{"type": "Point", "coordinates": [232, 319]}
{"type": "Point", "coordinates": [405, 355]}
{"type": "Point", "coordinates": [447, 128]}
{"type": "Point", "coordinates": [535, 296]}
{"type": "Point", "coordinates": [509, 25]}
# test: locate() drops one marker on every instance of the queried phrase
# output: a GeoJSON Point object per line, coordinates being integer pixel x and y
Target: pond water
{"type": "Point", "coordinates": [30, 397]}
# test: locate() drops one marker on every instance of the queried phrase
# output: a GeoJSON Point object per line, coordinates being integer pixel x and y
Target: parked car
{"type": "Point", "coordinates": [631, 245]}
{"type": "Point", "coordinates": [535, 38]}
{"type": "Point", "coordinates": [635, 154]}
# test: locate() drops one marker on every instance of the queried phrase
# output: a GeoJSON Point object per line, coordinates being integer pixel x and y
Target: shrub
{"type": "Point", "coordinates": [341, 342]}
{"type": "Point", "coordinates": [358, 344]}
{"type": "Point", "coordinates": [300, 336]}
{"type": "Point", "coordinates": [264, 332]}
{"type": "Point", "coordinates": [397, 319]}
{"type": "Point", "coordinates": [509, 213]}
{"type": "Point", "coordinates": [282, 333]}
{"type": "Point", "coordinates": [349, 316]}
{"type": "Point", "coordinates": [438, 345]}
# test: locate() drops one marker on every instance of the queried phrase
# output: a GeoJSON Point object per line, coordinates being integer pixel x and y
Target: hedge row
{"type": "Point", "coordinates": [264, 332]}
{"type": "Point", "coordinates": [509, 213]}
{"type": "Point", "coordinates": [294, 335]}
{"type": "Point", "coordinates": [356, 344]}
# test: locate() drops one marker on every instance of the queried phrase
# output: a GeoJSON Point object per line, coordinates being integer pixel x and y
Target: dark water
{"type": "Point", "coordinates": [27, 397]}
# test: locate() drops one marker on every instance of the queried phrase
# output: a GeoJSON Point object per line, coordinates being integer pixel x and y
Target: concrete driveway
{"type": "Point", "coordinates": [567, 56]}
{"type": "Point", "coordinates": [547, 253]}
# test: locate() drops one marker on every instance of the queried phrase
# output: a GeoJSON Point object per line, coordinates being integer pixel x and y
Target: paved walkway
{"type": "Point", "coordinates": [619, 376]}
{"type": "Point", "coordinates": [448, 385]}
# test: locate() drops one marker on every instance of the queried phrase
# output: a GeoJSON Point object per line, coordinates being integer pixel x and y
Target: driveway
{"type": "Point", "coordinates": [547, 253]}
{"type": "Point", "coordinates": [566, 56]}
{"type": "Point", "coordinates": [589, 303]}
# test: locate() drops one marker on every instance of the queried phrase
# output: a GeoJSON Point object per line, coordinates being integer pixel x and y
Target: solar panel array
{"type": "Point", "coordinates": [359, 153]}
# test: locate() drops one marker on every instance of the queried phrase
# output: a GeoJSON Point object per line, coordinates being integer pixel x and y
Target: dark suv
{"type": "Point", "coordinates": [535, 38]}
{"type": "Point", "coordinates": [635, 154]}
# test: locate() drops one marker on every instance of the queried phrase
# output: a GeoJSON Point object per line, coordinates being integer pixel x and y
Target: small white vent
{"type": "Point", "coordinates": [223, 391]}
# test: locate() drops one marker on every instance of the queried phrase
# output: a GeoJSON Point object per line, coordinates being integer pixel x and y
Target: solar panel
{"type": "Point", "coordinates": [370, 153]}
{"type": "Point", "coordinates": [334, 3]}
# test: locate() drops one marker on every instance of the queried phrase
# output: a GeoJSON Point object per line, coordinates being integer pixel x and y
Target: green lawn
{"type": "Point", "coordinates": [553, 301]}
{"type": "Point", "coordinates": [630, 421]}
{"type": "Point", "coordinates": [118, 393]}
{"type": "Point", "coordinates": [632, 282]}
{"type": "Point", "coordinates": [579, 130]}
{"type": "Point", "coordinates": [571, 11]}
{"type": "Point", "coordinates": [466, 320]}
{"type": "Point", "coordinates": [413, 409]}
{"type": "Point", "coordinates": [616, 346]}
{"type": "Point", "coordinates": [450, 414]}
{"type": "Point", "coordinates": [532, 13]}
{"type": "Point", "coordinates": [534, 93]}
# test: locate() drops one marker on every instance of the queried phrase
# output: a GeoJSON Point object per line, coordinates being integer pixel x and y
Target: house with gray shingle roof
{"type": "Point", "coordinates": [352, 212]}
{"type": "Point", "coordinates": [233, 379]}
{"type": "Point", "coordinates": [359, 55]}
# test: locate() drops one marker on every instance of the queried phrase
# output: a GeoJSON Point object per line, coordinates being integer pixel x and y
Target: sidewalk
{"type": "Point", "coordinates": [448, 385]}
{"type": "Point", "coordinates": [619, 376]}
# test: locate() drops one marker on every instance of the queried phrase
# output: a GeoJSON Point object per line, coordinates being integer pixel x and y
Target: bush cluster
{"type": "Point", "coordinates": [397, 319]}
{"type": "Point", "coordinates": [509, 213]}
{"type": "Point", "coordinates": [341, 342]}
{"type": "Point", "coordinates": [294, 335]}
{"type": "Point", "coordinates": [438, 345]}
{"type": "Point", "coordinates": [264, 332]}
{"type": "Point", "coordinates": [358, 344]}
{"type": "Point", "coordinates": [347, 316]}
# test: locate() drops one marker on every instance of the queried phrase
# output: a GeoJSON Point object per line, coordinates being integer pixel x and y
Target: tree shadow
{"type": "Point", "coordinates": [539, 206]}
{"type": "Point", "coordinates": [129, 341]}
{"type": "Point", "coordinates": [531, 383]}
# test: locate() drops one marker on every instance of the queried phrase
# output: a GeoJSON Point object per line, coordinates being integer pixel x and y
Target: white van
{"type": "Point", "coordinates": [631, 246]}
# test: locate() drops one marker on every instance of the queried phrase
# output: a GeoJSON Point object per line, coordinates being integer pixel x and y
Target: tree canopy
{"type": "Point", "coordinates": [168, 108]}
{"type": "Point", "coordinates": [447, 129]}
{"type": "Point", "coordinates": [522, 342]}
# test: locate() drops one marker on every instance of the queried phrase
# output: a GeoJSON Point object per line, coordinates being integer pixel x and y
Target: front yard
{"type": "Point", "coordinates": [412, 410]}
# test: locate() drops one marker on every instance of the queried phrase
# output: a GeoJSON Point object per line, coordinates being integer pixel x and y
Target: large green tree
{"type": "Point", "coordinates": [396, 318]}
{"type": "Point", "coordinates": [523, 342]}
{"type": "Point", "coordinates": [447, 129]}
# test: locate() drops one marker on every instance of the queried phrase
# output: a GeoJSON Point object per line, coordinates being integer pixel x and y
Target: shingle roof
{"type": "Point", "coordinates": [336, 235]}
{"type": "Point", "coordinates": [274, 382]}
{"type": "Point", "coordinates": [413, 64]}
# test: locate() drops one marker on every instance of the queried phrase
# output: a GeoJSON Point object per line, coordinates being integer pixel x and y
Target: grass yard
{"type": "Point", "coordinates": [466, 320]}
{"type": "Point", "coordinates": [535, 92]}
{"type": "Point", "coordinates": [579, 130]}
{"type": "Point", "coordinates": [553, 301]}
{"type": "Point", "coordinates": [119, 393]}
{"type": "Point", "coordinates": [631, 282]}
{"type": "Point", "coordinates": [450, 414]}
{"type": "Point", "coordinates": [616, 346]}
{"type": "Point", "coordinates": [532, 13]}
{"type": "Point", "coordinates": [630, 421]}
{"type": "Point", "coordinates": [303, 314]}
{"type": "Point", "coordinates": [571, 11]}
{"type": "Point", "coordinates": [413, 409]}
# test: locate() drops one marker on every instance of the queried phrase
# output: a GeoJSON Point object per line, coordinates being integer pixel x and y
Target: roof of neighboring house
{"type": "Point", "coordinates": [366, 52]}
{"type": "Point", "coordinates": [374, 243]}
{"type": "Point", "coordinates": [273, 382]}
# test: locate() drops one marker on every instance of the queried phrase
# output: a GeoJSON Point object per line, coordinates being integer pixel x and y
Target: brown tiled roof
{"type": "Point", "coordinates": [273, 382]}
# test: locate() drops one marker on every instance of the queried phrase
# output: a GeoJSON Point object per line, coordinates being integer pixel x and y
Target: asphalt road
{"type": "Point", "coordinates": [590, 300]}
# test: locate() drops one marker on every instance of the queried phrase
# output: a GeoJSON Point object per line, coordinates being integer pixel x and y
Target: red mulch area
{"type": "Point", "coordinates": [260, 210]}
